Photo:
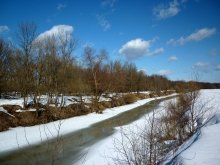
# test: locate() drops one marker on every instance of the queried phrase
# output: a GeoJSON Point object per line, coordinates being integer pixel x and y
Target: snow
{"type": "Point", "coordinates": [205, 150]}
{"type": "Point", "coordinates": [202, 148]}
{"type": "Point", "coordinates": [11, 101]}
{"type": "Point", "coordinates": [29, 110]}
{"type": "Point", "coordinates": [5, 111]}
{"type": "Point", "coordinates": [104, 151]}
{"type": "Point", "coordinates": [67, 99]}
{"type": "Point", "coordinates": [24, 136]}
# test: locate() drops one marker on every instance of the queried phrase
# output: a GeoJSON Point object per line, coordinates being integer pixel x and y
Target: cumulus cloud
{"type": "Point", "coordinates": [135, 48]}
{"type": "Point", "coordinates": [61, 6]}
{"type": "Point", "coordinates": [172, 58]}
{"type": "Point", "coordinates": [194, 37]}
{"type": "Point", "coordinates": [164, 72]}
{"type": "Point", "coordinates": [103, 22]}
{"type": "Point", "coordinates": [4, 28]}
{"type": "Point", "coordinates": [138, 48]}
{"type": "Point", "coordinates": [58, 30]}
{"type": "Point", "coordinates": [163, 11]}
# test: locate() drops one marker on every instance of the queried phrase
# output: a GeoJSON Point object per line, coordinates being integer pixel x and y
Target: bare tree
{"type": "Point", "coordinates": [94, 65]}
{"type": "Point", "coordinates": [5, 64]}
{"type": "Point", "coordinates": [138, 146]}
{"type": "Point", "coordinates": [66, 45]}
{"type": "Point", "coordinates": [26, 36]}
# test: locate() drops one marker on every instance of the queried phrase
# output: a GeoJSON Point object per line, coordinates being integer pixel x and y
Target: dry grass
{"type": "Point", "coordinates": [4, 121]}
{"type": "Point", "coordinates": [56, 113]}
{"type": "Point", "coordinates": [11, 108]}
{"type": "Point", "coordinates": [130, 98]}
{"type": "Point", "coordinates": [106, 104]}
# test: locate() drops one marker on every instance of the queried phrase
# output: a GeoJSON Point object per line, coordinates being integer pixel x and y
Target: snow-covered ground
{"type": "Point", "coordinates": [67, 99]}
{"type": "Point", "coordinates": [24, 136]}
{"type": "Point", "coordinates": [104, 151]}
{"type": "Point", "coordinates": [205, 150]}
{"type": "Point", "coordinates": [43, 100]}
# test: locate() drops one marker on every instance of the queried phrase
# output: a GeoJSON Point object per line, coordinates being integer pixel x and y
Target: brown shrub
{"type": "Point", "coordinates": [130, 98]}
{"type": "Point", "coordinates": [4, 121]}
{"type": "Point", "coordinates": [100, 107]}
{"type": "Point", "coordinates": [106, 104]}
{"type": "Point", "coordinates": [142, 96]}
{"type": "Point", "coordinates": [96, 107]}
{"type": "Point", "coordinates": [153, 94]}
{"type": "Point", "coordinates": [11, 108]}
{"type": "Point", "coordinates": [80, 109]}
{"type": "Point", "coordinates": [118, 102]}
{"type": "Point", "coordinates": [27, 118]}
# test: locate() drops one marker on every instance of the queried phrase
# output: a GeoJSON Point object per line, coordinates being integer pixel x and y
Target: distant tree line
{"type": "Point", "coordinates": [46, 65]}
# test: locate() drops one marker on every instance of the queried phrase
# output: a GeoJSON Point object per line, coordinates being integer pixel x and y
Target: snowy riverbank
{"type": "Point", "coordinates": [205, 150]}
{"type": "Point", "coordinates": [24, 136]}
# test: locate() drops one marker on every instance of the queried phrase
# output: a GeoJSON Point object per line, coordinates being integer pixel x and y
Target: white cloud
{"type": "Point", "coordinates": [196, 36]}
{"type": "Point", "coordinates": [58, 30]}
{"type": "Point", "coordinates": [138, 48]}
{"type": "Point", "coordinates": [61, 6]}
{"type": "Point", "coordinates": [103, 22]}
{"type": "Point", "coordinates": [163, 11]}
{"type": "Point", "coordinates": [201, 65]}
{"type": "Point", "coordinates": [135, 48]}
{"type": "Point", "coordinates": [108, 3]}
{"type": "Point", "coordinates": [164, 72]}
{"type": "Point", "coordinates": [172, 58]}
{"type": "Point", "coordinates": [156, 52]}
{"type": "Point", "coordinates": [4, 28]}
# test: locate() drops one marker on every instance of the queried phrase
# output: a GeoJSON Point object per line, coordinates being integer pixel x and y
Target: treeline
{"type": "Point", "coordinates": [46, 65]}
{"type": "Point", "coordinates": [201, 85]}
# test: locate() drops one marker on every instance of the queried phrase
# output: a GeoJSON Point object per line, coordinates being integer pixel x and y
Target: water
{"type": "Point", "coordinates": [72, 147]}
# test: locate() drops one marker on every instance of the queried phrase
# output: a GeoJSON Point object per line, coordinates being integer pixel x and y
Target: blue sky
{"type": "Point", "coordinates": [175, 38]}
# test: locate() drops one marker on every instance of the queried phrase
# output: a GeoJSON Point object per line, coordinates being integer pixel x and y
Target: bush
{"type": "Point", "coordinates": [129, 98]}
{"type": "Point", "coordinates": [142, 96]}
{"type": "Point", "coordinates": [4, 122]}
{"type": "Point", "coordinates": [153, 94]}
{"type": "Point", "coordinates": [26, 118]}
{"type": "Point", "coordinates": [106, 104]}
{"type": "Point", "coordinates": [118, 102]}
{"type": "Point", "coordinates": [80, 109]}
{"type": "Point", "coordinates": [11, 108]}
{"type": "Point", "coordinates": [96, 107]}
